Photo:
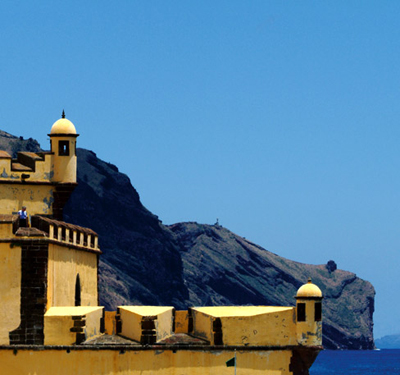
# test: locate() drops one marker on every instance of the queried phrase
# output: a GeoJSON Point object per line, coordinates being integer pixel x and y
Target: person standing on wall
{"type": "Point", "coordinates": [23, 217]}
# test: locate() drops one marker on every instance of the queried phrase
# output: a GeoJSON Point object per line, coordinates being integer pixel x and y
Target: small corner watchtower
{"type": "Point", "coordinates": [309, 314]}
{"type": "Point", "coordinates": [63, 146]}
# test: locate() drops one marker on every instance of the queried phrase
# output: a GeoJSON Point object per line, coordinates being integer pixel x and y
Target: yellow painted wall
{"type": "Point", "coordinates": [37, 198]}
{"type": "Point", "coordinates": [5, 170]}
{"type": "Point", "coordinates": [93, 319]}
{"type": "Point", "coordinates": [309, 333]}
{"type": "Point", "coordinates": [247, 325]}
{"type": "Point", "coordinates": [181, 321]}
{"type": "Point", "coordinates": [64, 265]}
{"type": "Point", "coordinates": [164, 324]}
{"type": "Point", "coordinates": [203, 325]}
{"type": "Point", "coordinates": [6, 230]}
{"type": "Point", "coordinates": [109, 322]}
{"type": "Point", "coordinates": [10, 290]}
{"type": "Point", "coordinates": [6, 174]}
{"type": "Point", "coordinates": [276, 328]}
{"type": "Point", "coordinates": [58, 323]}
{"type": "Point", "coordinates": [42, 171]}
{"type": "Point", "coordinates": [64, 166]}
{"type": "Point", "coordinates": [131, 362]}
{"type": "Point", "coordinates": [57, 330]}
{"type": "Point", "coordinates": [131, 324]}
{"type": "Point", "coordinates": [132, 316]}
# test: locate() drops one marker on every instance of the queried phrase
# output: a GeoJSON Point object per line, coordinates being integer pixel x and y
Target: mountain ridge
{"type": "Point", "coordinates": [388, 342]}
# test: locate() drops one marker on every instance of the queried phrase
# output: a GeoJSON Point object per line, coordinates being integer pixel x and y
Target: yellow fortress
{"type": "Point", "coordinates": [51, 321]}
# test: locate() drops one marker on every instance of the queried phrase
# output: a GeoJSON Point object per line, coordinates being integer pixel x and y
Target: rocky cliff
{"type": "Point", "coordinates": [188, 264]}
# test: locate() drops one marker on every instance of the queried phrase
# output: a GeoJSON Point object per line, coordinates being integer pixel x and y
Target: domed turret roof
{"type": "Point", "coordinates": [309, 290]}
{"type": "Point", "coordinates": [63, 126]}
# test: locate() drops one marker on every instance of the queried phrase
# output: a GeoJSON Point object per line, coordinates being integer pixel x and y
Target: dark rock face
{"type": "Point", "coordinates": [188, 264]}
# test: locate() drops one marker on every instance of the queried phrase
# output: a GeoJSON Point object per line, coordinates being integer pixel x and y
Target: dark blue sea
{"type": "Point", "coordinates": [357, 362]}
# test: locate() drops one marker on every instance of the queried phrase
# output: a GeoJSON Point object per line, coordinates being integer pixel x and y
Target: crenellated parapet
{"type": "Point", "coordinates": [272, 327]}
{"type": "Point", "coordinates": [67, 234]}
{"type": "Point", "coordinates": [28, 167]}
{"type": "Point", "coordinates": [47, 229]}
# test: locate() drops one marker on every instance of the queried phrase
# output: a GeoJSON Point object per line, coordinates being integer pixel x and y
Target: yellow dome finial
{"type": "Point", "coordinates": [63, 126]}
{"type": "Point", "coordinates": [309, 290]}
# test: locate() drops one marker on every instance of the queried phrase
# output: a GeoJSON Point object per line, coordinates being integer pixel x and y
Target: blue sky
{"type": "Point", "coordinates": [280, 118]}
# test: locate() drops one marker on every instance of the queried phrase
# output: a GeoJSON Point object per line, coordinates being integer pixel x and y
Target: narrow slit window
{"type": "Point", "coordinates": [301, 312]}
{"type": "Point", "coordinates": [77, 291]}
{"type": "Point", "coordinates": [318, 311]}
{"type": "Point", "coordinates": [63, 148]}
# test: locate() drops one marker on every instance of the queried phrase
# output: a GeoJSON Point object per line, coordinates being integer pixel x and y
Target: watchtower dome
{"type": "Point", "coordinates": [63, 147]}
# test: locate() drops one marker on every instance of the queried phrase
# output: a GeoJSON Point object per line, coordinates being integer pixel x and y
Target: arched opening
{"type": "Point", "coordinates": [63, 148]}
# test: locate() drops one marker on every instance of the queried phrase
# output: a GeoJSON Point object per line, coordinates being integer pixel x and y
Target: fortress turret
{"type": "Point", "coordinates": [63, 146]}
{"type": "Point", "coordinates": [309, 315]}
{"type": "Point", "coordinates": [41, 181]}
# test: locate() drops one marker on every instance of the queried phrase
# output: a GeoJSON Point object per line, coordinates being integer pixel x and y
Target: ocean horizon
{"type": "Point", "coordinates": [357, 362]}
